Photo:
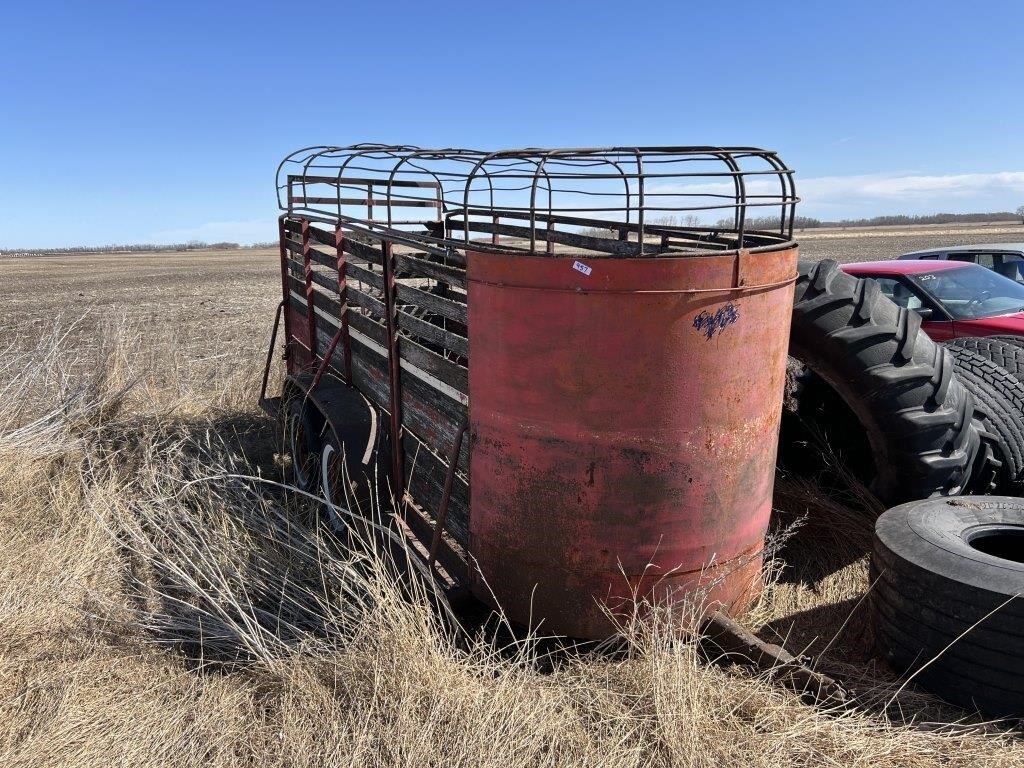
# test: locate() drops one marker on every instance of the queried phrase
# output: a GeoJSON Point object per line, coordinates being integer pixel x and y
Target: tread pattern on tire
{"type": "Point", "coordinates": [1005, 354]}
{"type": "Point", "coordinates": [899, 383]}
{"type": "Point", "coordinates": [999, 403]}
{"type": "Point", "coordinates": [981, 668]}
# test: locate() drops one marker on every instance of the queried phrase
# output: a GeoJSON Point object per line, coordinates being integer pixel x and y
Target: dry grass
{"type": "Point", "coordinates": [157, 608]}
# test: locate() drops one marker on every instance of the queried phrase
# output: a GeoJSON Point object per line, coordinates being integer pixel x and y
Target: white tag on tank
{"type": "Point", "coordinates": [581, 267]}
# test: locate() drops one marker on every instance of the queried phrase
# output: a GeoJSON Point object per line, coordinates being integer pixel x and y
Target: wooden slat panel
{"type": "Point", "coordinates": [315, 256]}
{"type": "Point", "coordinates": [406, 322]}
{"type": "Point", "coordinates": [452, 374]}
{"type": "Point", "coordinates": [369, 327]}
{"type": "Point", "coordinates": [364, 300]}
{"type": "Point", "coordinates": [428, 361]}
{"type": "Point", "coordinates": [445, 307]}
{"type": "Point", "coordinates": [364, 275]}
{"type": "Point", "coordinates": [440, 336]}
{"type": "Point", "coordinates": [425, 477]}
{"type": "Point", "coordinates": [424, 268]}
{"type": "Point", "coordinates": [362, 251]}
{"type": "Point", "coordinates": [319, 279]}
{"type": "Point", "coordinates": [433, 417]}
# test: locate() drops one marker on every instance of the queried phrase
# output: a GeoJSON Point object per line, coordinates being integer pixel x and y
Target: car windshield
{"type": "Point", "coordinates": [971, 292]}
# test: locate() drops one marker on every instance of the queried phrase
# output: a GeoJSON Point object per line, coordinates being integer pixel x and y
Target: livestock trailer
{"type": "Point", "coordinates": [563, 369]}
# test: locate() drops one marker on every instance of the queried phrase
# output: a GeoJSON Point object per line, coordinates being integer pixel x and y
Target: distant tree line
{"type": "Point", "coordinates": [191, 245]}
{"type": "Point", "coordinates": [896, 220]}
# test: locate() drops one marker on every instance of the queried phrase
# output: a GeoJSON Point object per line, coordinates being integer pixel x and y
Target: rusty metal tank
{"type": "Point", "coordinates": [624, 415]}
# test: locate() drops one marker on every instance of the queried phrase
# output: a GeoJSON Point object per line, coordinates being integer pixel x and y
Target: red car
{"type": "Point", "coordinates": [952, 297]}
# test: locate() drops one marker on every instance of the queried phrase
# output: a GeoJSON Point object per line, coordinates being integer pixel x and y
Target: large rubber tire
{"type": "Point", "coordinates": [301, 428]}
{"type": "Point", "coordinates": [1005, 354]}
{"type": "Point", "coordinates": [948, 576]}
{"type": "Point", "coordinates": [999, 403]}
{"type": "Point", "coordinates": [350, 460]}
{"type": "Point", "coordinates": [899, 384]}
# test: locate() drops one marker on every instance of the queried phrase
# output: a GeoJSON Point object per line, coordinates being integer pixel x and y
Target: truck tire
{"type": "Point", "coordinates": [1017, 341]}
{"type": "Point", "coordinates": [917, 415]}
{"type": "Point", "coordinates": [947, 603]}
{"type": "Point", "coordinates": [999, 403]}
{"type": "Point", "coordinates": [1005, 354]}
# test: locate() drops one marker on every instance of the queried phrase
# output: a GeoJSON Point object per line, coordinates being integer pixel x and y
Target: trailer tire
{"type": "Point", "coordinates": [948, 577]}
{"type": "Point", "coordinates": [999, 404]}
{"type": "Point", "coordinates": [302, 440]}
{"type": "Point", "coordinates": [899, 383]}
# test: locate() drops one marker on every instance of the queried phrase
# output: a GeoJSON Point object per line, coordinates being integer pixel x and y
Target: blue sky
{"type": "Point", "coordinates": [159, 122]}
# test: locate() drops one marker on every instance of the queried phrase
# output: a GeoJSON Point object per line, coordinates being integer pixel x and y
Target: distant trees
{"type": "Point", "coordinates": [1020, 212]}
{"type": "Point", "coordinates": [191, 245]}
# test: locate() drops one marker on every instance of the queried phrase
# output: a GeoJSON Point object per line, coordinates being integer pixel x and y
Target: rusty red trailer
{"type": "Point", "coordinates": [603, 324]}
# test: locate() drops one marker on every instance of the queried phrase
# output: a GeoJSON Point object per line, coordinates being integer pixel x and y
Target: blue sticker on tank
{"type": "Point", "coordinates": [716, 323]}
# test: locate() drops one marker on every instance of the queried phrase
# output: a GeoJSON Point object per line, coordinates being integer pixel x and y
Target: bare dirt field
{"type": "Point", "coordinates": [160, 605]}
{"type": "Point", "coordinates": [871, 243]}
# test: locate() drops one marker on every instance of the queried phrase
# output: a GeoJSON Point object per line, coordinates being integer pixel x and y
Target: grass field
{"type": "Point", "coordinates": [160, 607]}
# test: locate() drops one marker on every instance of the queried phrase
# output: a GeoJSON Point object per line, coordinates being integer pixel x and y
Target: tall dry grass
{"type": "Point", "coordinates": [158, 606]}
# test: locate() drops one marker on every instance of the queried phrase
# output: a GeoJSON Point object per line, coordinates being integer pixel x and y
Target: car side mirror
{"type": "Point", "coordinates": [925, 312]}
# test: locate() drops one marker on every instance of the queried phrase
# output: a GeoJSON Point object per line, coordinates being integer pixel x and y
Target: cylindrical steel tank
{"type": "Point", "coordinates": [624, 415]}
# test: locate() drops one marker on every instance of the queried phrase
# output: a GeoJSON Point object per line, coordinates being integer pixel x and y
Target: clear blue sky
{"type": "Point", "coordinates": [163, 121]}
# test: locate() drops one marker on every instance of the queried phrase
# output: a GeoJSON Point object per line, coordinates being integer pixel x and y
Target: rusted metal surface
{"type": "Point", "coordinates": [624, 416]}
{"type": "Point", "coordinates": [394, 370]}
{"type": "Point", "coordinates": [446, 494]}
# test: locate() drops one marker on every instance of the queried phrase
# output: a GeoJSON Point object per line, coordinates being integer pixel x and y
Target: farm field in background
{"type": "Point", "coordinates": [114, 651]}
{"type": "Point", "coordinates": [871, 243]}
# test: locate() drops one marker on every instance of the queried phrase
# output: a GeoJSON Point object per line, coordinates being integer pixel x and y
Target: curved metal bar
{"type": "Point", "coordinates": [513, 179]}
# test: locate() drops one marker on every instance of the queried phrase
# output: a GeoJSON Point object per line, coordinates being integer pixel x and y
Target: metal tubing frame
{"type": "Point", "coordinates": [310, 293]}
{"type": "Point", "coordinates": [394, 371]}
{"type": "Point", "coordinates": [652, 180]}
{"type": "Point", "coordinates": [339, 248]}
{"type": "Point", "coordinates": [286, 299]}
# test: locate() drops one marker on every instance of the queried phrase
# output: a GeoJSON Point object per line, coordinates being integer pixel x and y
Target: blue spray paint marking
{"type": "Point", "coordinates": [712, 324]}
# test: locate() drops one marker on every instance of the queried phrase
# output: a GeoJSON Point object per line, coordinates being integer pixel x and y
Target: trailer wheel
{"type": "Point", "coordinates": [347, 483]}
{"type": "Point", "coordinates": [947, 601]}
{"type": "Point", "coordinates": [302, 439]}
{"type": "Point", "coordinates": [916, 414]}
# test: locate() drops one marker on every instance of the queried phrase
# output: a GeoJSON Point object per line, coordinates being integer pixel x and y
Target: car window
{"type": "Point", "coordinates": [987, 260]}
{"type": "Point", "coordinates": [968, 292]}
{"type": "Point", "coordinates": [899, 292]}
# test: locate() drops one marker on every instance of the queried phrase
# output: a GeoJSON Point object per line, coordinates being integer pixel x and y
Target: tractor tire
{"type": "Point", "coordinates": [899, 384]}
{"type": "Point", "coordinates": [947, 602]}
{"type": "Point", "coordinates": [999, 403]}
{"type": "Point", "coordinates": [301, 429]}
{"type": "Point", "coordinates": [1005, 354]}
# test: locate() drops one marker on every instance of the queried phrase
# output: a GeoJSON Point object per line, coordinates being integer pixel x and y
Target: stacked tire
{"type": "Point", "coordinates": [948, 599]}
{"type": "Point", "coordinates": [992, 369]}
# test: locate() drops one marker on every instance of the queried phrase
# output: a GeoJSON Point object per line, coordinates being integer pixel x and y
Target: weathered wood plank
{"type": "Point", "coordinates": [364, 275]}
{"type": "Point", "coordinates": [424, 268]}
{"type": "Point", "coordinates": [434, 333]}
{"type": "Point", "coordinates": [445, 307]}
